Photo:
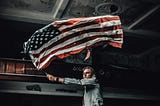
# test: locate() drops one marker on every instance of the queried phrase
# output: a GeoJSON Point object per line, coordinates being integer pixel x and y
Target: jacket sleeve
{"type": "Point", "coordinates": [90, 81]}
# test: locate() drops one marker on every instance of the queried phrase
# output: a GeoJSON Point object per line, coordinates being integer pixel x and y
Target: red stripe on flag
{"type": "Point", "coordinates": [77, 34]}
{"type": "Point", "coordinates": [64, 55]}
{"type": "Point", "coordinates": [92, 31]}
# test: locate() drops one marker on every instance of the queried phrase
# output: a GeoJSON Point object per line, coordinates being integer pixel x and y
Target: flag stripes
{"type": "Point", "coordinates": [75, 35]}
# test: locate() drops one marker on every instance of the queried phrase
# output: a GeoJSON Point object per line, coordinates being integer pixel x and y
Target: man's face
{"type": "Point", "coordinates": [87, 73]}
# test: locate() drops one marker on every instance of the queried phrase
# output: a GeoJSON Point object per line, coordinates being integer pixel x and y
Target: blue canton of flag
{"type": "Point", "coordinates": [40, 37]}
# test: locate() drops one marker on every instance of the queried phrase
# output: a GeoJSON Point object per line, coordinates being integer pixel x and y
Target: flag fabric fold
{"type": "Point", "coordinates": [64, 38]}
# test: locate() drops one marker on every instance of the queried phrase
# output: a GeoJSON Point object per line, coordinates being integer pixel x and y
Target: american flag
{"type": "Point", "coordinates": [64, 38]}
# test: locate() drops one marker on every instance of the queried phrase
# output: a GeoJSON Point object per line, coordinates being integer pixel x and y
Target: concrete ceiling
{"type": "Point", "coordinates": [137, 14]}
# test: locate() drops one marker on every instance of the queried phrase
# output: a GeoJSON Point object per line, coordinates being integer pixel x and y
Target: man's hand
{"type": "Point", "coordinates": [51, 77]}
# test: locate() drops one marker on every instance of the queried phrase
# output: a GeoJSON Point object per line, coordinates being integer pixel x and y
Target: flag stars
{"type": "Point", "coordinates": [52, 32]}
{"type": "Point", "coordinates": [35, 46]}
{"type": "Point", "coordinates": [32, 41]}
{"type": "Point", "coordinates": [57, 33]}
{"type": "Point", "coordinates": [41, 37]}
{"type": "Point", "coordinates": [36, 42]}
{"type": "Point", "coordinates": [47, 33]}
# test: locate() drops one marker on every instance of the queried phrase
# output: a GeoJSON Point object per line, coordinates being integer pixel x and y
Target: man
{"type": "Point", "coordinates": [92, 92]}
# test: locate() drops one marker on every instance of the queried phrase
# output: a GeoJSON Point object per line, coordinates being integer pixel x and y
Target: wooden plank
{"type": "Point", "coordinates": [20, 68]}
{"type": "Point", "coordinates": [2, 67]}
{"type": "Point", "coordinates": [10, 67]}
